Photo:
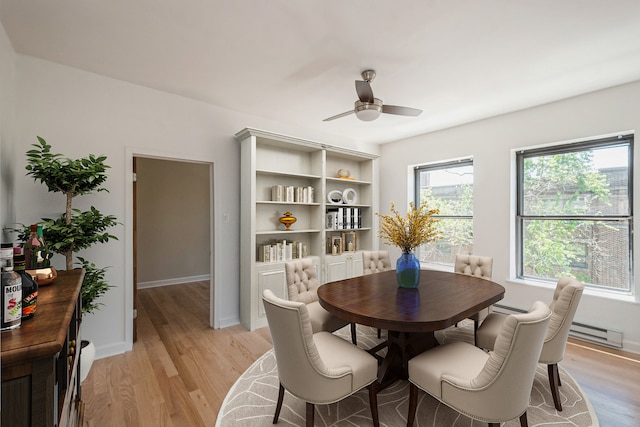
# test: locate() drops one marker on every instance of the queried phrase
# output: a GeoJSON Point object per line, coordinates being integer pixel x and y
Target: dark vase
{"type": "Point", "coordinates": [408, 270]}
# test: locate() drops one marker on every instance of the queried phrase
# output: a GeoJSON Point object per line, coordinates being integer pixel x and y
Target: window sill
{"type": "Point", "coordinates": [434, 266]}
{"type": "Point", "coordinates": [625, 297]}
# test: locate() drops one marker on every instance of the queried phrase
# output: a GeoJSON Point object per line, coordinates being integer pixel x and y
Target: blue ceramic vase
{"type": "Point", "coordinates": [408, 271]}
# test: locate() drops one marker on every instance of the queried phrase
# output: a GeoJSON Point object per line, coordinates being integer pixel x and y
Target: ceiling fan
{"type": "Point", "coordinates": [368, 108]}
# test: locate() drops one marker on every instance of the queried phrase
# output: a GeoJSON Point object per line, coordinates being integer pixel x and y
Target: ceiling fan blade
{"type": "Point", "coordinates": [365, 93]}
{"type": "Point", "coordinates": [337, 116]}
{"type": "Point", "coordinates": [401, 111]}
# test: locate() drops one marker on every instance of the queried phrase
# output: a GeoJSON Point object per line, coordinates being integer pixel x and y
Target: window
{"type": "Point", "coordinates": [449, 188]}
{"type": "Point", "coordinates": [574, 212]}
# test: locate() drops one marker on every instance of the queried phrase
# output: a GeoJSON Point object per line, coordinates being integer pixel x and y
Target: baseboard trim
{"type": "Point", "coordinates": [176, 281]}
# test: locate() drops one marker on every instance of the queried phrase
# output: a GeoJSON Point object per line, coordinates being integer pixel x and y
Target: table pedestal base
{"type": "Point", "coordinates": [401, 346]}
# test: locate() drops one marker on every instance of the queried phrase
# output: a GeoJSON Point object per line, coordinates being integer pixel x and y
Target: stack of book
{"type": "Point", "coordinates": [281, 250]}
{"type": "Point", "coordinates": [292, 194]}
{"type": "Point", "coordinates": [344, 218]}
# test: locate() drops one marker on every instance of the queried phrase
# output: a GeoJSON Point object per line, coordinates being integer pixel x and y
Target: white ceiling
{"type": "Point", "coordinates": [296, 60]}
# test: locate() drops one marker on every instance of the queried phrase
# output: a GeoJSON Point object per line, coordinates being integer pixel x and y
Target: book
{"type": "Point", "coordinates": [332, 219]}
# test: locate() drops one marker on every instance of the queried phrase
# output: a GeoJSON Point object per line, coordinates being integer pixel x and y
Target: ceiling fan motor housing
{"type": "Point", "coordinates": [368, 111]}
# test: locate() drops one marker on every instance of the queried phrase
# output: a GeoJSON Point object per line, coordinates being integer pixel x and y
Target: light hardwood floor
{"type": "Point", "coordinates": [180, 370]}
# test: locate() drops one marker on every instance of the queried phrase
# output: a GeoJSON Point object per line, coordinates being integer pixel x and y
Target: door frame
{"type": "Point", "coordinates": [130, 154]}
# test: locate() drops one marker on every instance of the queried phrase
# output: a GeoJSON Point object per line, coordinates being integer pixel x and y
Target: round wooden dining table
{"type": "Point", "coordinates": [411, 316]}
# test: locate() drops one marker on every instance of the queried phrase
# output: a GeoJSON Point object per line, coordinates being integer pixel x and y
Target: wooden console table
{"type": "Point", "coordinates": [40, 363]}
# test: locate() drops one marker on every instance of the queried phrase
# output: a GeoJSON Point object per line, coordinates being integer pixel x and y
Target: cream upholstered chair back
{"type": "Point", "coordinates": [302, 280]}
{"type": "Point", "coordinates": [302, 286]}
{"type": "Point", "coordinates": [566, 298]}
{"type": "Point", "coordinates": [478, 266]}
{"type": "Point", "coordinates": [473, 265]}
{"type": "Point", "coordinates": [491, 387]}
{"type": "Point", "coordinates": [300, 368]}
{"type": "Point", "coordinates": [376, 261]}
{"type": "Point", "coordinates": [565, 302]}
{"type": "Point", "coordinates": [504, 384]}
{"type": "Point", "coordinates": [317, 368]}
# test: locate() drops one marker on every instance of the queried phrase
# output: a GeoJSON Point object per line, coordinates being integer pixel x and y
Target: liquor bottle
{"type": "Point", "coordinates": [32, 248]}
{"type": "Point", "coordinates": [11, 297]}
{"type": "Point", "coordinates": [40, 257]}
{"type": "Point", "coordinates": [29, 288]}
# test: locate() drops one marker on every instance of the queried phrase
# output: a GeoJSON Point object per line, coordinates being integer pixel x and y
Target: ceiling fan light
{"type": "Point", "coordinates": [366, 111]}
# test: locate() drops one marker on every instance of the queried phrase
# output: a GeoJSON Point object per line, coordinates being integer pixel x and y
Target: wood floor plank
{"type": "Point", "coordinates": [180, 370]}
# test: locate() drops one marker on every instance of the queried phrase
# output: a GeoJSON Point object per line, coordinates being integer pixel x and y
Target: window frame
{"type": "Point", "coordinates": [626, 139]}
{"type": "Point", "coordinates": [466, 161]}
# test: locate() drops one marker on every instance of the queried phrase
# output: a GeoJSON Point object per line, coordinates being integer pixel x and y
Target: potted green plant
{"type": "Point", "coordinates": [74, 230]}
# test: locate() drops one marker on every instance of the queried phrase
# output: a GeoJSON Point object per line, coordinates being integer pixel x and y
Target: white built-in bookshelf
{"type": "Point", "coordinates": [273, 166]}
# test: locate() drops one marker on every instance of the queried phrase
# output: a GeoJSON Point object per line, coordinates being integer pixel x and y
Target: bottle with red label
{"type": "Point", "coordinates": [11, 298]}
{"type": "Point", "coordinates": [29, 288]}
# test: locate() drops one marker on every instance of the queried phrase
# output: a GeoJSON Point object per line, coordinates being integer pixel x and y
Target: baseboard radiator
{"type": "Point", "coordinates": [581, 331]}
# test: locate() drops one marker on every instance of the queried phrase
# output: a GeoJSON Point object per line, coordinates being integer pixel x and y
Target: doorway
{"type": "Point", "coordinates": [172, 224]}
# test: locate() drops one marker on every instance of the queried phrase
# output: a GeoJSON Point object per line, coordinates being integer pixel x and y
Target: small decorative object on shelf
{"type": "Point", "coordinates": [349, 196]}
{"type": "Point", "coordinates": [334, 197]}
{"type": "Point", "coordinates": [334, 245]}
{"type": "Point", "coordinates": [408, 233]}
{"type": "Point", "coordinates": [287, 219]}
{"type": "Point", "coordinates": [344, 173]}
{"type": "Point", "coordinates": [350, 241]}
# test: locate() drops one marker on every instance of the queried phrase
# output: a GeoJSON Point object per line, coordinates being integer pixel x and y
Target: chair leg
{"type": "Point", "coordinates": [310, 414]}
{"type": "Point", "coordinates": [476, 325]}
{"type": "Point", "coordinates": [279, 404]}
{"type": "Point", "coordinates": [554, 382]}
{"type": "Point", "coordinates": [379, 333]}
{"type": "Point", "coordinates": [353, 334]}
{"type": "Point", "coordinates": [494, 424]}
{"type": "Point", "coordinates": [413, 403]}
{"type": "Point", "coordinates": [373, 402]}
{"type": "Point", "coordinates": [523, 420]}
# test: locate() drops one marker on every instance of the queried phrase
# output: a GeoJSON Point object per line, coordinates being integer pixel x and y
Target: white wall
{"type": "Point", "coordinates": [491, 142]}
{"type": "Point", "coordinates": [7, 127]}
{"type": "Point", "coordinates": [80, 113]}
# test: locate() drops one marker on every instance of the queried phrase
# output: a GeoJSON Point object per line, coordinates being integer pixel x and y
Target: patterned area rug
{"type": "Point", "coordinates": [252, 399]}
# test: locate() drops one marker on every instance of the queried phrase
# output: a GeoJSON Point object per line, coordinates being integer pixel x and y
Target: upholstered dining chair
{"type": "Point", "coordinates": [479, 266]}
{"type": "Point", "coordinates": [318, 368]}
{"type": "Point", "coordinates": [489, 387]}
{"type": "Point", "coordinates": [302, 286]}
{"type": "Point", "coordinates": [564, 305]}
{"type": "Point", "coordinates": [376, 262]}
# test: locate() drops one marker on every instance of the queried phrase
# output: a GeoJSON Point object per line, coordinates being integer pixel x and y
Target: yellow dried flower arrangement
{"type": "Point", "coordinates": [408, 233]}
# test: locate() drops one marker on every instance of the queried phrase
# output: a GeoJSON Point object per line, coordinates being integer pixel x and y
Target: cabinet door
{"type": "Point", "coordinates": [336, 268]}
{"type": "Point", "coordinates": [274, 279]}
{"type": "Point", "coordinates": [357, 268]}
{"type": "Point", "coordinates": [344, 266]}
